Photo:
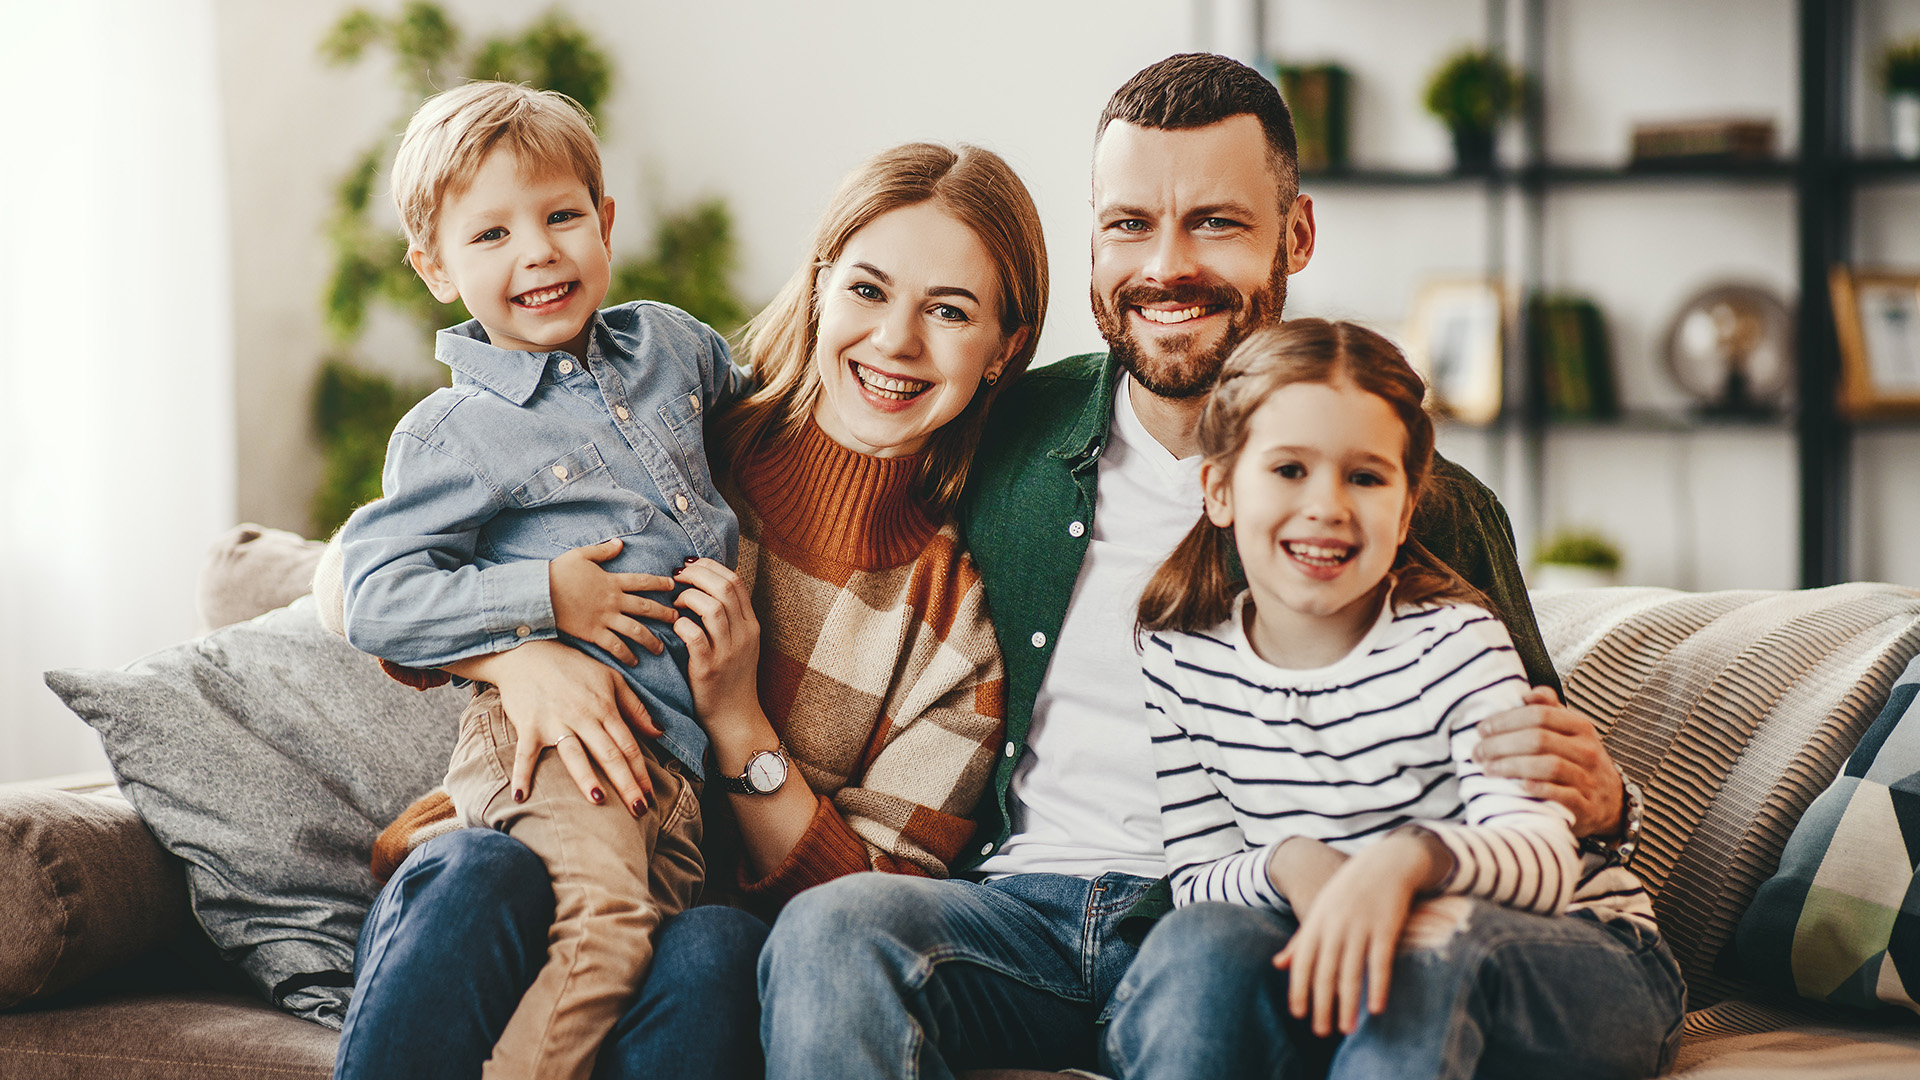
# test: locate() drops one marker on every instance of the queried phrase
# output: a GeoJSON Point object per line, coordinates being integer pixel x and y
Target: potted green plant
{"type": "Point", "coordinates": [1471, 93]}
{"type": "Point", "coordinates": [1900, 73]}
{"type": "Point", "coordinates": [1575, 559]}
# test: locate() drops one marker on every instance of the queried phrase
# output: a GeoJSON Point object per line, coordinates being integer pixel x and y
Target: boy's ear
{"type": "Point", "coordinates": [606, 225]}
{"type": "Point", "coordinates": [438, 283]}
{"type": "Point", "coordinates": [1218, 494]}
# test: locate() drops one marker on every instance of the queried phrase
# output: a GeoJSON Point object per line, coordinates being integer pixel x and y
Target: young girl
{"type": "Point", "coordinates": [1313, 737]}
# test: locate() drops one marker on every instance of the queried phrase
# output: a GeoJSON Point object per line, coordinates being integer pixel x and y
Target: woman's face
{"type": "Point", "coordinates": [909, 325]}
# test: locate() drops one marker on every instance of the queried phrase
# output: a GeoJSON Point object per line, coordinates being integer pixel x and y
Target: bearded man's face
{"type": "Point", "coordinates": [1188, 252]}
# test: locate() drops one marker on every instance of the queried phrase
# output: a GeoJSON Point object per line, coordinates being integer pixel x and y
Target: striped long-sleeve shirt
{"type": "Point", "coordinates": [1248, 755]}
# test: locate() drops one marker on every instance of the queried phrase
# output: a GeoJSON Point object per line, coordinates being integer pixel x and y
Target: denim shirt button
{"type": "Point", "coordinates": [560, 471]}
{"type": "Point", "coordinates": [522, 631]}
{"type": "Point", "coordinates": [566, 367]}
{"type": "Point", "coordinates": [681, 502]}
{"type": "Point", "coordinates": [621, 412]}
{"type": "Point", "coordinates": [694, 400]}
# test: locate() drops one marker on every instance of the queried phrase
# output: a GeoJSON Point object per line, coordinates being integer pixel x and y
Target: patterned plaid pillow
{"type": "Point", "coordinates": [1840, 920]}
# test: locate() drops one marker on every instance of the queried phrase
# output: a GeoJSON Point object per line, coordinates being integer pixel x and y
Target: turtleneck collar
{"type": "Point", "coordinates": [833, 503]}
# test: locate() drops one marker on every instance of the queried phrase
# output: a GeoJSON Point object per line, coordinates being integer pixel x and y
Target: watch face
{"type": "Point", "coordinates": [766, 772]}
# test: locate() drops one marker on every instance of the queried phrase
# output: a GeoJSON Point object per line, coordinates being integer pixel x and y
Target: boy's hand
{"type": "Point", "coordinates": [723, 647]}
{"type": "Point", "coordinates": [593, 605]}
{"type": "Point", "coordinates": [1348, 937]}
{"type": "Point", "coordinates": [555, 695]}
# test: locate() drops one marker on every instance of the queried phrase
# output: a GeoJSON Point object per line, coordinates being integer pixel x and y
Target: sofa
{"type": "Point", "coordinates": [1734, 709]}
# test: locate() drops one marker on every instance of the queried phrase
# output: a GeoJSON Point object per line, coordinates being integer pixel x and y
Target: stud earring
{"type": "Point", "coordinates": [991, 377]}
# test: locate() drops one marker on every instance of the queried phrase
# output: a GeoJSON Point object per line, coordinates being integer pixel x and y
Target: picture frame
{"type": "Point", "coordinates": [1876, 314]}
{"type": "Point", "coordinates": [1456, 338]}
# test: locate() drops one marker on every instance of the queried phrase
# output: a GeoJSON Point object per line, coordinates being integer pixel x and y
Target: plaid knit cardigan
{"type": "Point", "coordinates": [878, 668]}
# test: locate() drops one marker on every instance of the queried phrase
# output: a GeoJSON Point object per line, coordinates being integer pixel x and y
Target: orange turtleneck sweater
{"type": "Point", "coordinates": [878, 665]}
{"type": "Point", "coordinates": [878, 668]}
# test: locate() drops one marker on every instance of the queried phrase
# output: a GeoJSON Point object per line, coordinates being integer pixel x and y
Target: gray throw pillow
{"type": "Point", "coordinates": [269, 755]}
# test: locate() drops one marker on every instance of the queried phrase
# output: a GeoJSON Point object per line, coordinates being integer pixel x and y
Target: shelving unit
{"type": "Point", "coordinates": [1822, 179]}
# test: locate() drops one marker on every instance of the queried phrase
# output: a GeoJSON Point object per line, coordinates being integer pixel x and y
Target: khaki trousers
{"type": "Point", "coordinates": [615, 880]}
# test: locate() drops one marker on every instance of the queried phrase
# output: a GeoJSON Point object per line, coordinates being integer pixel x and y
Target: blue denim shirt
{"type": "Point", "coordinates": [527, 456]}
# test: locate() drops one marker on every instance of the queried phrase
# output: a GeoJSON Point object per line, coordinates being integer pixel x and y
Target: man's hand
{"type": "Point", "coordinates": [555, 695]}
{"type": "Point", "coordinates": [593, 605]}
{"type": "Point", "coordinates": [1556, 754]}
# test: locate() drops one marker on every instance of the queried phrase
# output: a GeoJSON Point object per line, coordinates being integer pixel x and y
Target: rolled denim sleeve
{"type": "Point", "coordinates": [414, 595]}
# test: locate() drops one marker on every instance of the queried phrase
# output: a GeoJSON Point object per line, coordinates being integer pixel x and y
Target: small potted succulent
{"type": "Point", "coordinates": [1575, 559]}
{"type": "Point", "coordinates": [1471, 93]}
{"type": "Point", "coordinates": [1900, 74]}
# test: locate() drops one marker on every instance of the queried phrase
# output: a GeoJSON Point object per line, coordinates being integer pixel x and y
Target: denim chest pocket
{"type": "Point", "coordinates": [577, 501]}
{"type": "Point", "coordinates": [683, 415]}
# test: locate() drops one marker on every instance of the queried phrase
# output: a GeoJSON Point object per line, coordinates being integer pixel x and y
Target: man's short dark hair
{"type": "Point", "coordinates": [1193, 90]}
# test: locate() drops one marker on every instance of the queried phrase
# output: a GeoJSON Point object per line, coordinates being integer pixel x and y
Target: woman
{"type": "Point", "coordinates": [878, 677]}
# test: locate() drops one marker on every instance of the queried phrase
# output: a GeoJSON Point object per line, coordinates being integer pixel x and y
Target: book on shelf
{"type": "Point", "coordinates": [1572, 357]}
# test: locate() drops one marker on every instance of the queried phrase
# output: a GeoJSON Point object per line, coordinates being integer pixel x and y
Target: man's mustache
{"type": "Point", "coordinates": [1185, 294]}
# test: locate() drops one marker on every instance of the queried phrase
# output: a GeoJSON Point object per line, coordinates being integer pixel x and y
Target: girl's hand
{"type": "Point", "coordinates": [593, 605]}
{"type": "Point", "coordinates": [723, 647]}
{"type": "Point", "coordinates": [1349, 936]}
{"type": "Point", "coordinates": [556, 695]}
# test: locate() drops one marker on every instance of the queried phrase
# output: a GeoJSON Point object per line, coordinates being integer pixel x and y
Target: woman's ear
{"type": "Point", "coordinates": [1015, 342]}
{"type": "Point", "coordinates": [1218, 492]}
{"type": "Point", "coordinates": [438, 283]}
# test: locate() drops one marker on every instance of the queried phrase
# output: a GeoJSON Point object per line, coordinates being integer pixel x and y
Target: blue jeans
{"type": "Point", "coordinates": [460, 932]}
{"type": "Point", "coordinates": [1503, 994]}
{"type": "Point", "coordinates": [883, 975]}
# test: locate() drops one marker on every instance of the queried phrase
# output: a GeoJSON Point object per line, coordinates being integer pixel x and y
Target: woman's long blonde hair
{"type": "Point", "coordinates": [981, 191]}
{"type": "Point", "coordinates": [1195, 587]}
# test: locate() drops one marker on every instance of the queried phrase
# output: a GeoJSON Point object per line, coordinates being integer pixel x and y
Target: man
{"type": "Point", "coordinates": [1088, 478]}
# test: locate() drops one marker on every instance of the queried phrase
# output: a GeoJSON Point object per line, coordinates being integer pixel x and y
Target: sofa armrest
{"type": "Point", "coordinates": [84, 887]}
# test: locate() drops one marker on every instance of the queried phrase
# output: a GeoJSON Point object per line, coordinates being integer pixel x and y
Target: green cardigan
{"type": "Point", "coordinates": [1027, 516]}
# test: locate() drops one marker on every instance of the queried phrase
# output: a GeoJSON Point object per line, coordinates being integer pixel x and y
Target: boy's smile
{"type": "Point", "coordinates": [530, 255]}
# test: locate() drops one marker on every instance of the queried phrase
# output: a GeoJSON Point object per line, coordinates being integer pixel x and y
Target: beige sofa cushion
{"type": "Point", "coordinates": [83, 886]}
{"type": "Point", "coordinates": [1733, 710]}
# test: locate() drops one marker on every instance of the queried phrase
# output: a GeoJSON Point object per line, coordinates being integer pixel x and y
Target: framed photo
{"type": "Point", "coordinates": [1454, 340]}
{"type": "Point", "coordinates": [1877, 315]}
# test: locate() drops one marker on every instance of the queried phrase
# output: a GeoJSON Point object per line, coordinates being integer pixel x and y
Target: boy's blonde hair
{"type": "Point", "coordinates": [453, 132]}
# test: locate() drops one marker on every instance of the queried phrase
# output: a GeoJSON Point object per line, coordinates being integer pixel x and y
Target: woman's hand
{"type": "Point", "coordinates": [723, 647]}
{"type": "Point", "coordinates": [593, 605]}
{"type": "Point", "coordinates": [556, 695]}
{"type": "Point", "coordinates": [1348, 937]}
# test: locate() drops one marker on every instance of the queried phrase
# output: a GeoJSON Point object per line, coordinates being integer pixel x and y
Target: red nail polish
{"type": "Point", "coordinates": [639, 806]}
{"type": "Point", "coordinates": [691, 559]}
{"type": "Point", "coordinates": [597, 796]}
{"type": "Point", "coordinates": [519, 796]}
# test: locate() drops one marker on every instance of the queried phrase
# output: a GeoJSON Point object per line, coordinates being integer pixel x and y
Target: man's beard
{"type": "Point", "coordinates": [1175, 370]}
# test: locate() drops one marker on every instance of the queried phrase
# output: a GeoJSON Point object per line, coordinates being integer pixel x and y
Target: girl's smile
{"type": "Point", "coordinates": [1319, 507]}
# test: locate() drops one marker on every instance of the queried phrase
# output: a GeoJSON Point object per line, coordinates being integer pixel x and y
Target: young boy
{"type": "Point", "coordinates": [565, 427]}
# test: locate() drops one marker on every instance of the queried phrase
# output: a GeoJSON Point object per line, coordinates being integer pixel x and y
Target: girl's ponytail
{"type": "Point", "coordinates": [1195, 587]}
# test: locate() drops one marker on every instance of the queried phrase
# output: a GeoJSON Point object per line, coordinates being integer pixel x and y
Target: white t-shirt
{"type": "Point", "coordinates": [1083, 799]}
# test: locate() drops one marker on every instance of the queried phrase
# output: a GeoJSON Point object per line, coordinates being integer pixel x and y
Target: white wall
{"type": "Point", "coordinates": [1709, 509]}
{"type": "Point", "coordinates": [115, 349]}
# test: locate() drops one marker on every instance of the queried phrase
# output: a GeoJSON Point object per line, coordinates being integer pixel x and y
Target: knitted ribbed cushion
{"type": "Point", "coordinates": [1733, 710]}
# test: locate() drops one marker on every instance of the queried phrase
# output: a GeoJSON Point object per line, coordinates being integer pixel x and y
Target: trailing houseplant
{"type": "Point", "coordinates": [1471, 93]}
{"type": "Point", "coordinates": [690, 265]}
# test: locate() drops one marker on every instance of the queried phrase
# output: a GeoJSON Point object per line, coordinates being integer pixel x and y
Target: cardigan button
{"type": "Point", "coordinates": [1012, 750]}
{"type": "Point", "coordinates": [1039, 640]}
{"type": "Point", "coordinates": [986, 849]}
{"type": "Point", "coordinates": [1077, 530]}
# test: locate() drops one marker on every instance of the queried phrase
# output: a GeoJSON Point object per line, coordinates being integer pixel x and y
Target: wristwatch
{"type": "Point", "coordinates": [766, 771]}
{"type": "Point", "coordinates": [1634, 812]}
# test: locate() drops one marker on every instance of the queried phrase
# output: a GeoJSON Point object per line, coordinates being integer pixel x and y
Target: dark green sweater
{"type": "Point", "coordinates": [1028, 516]}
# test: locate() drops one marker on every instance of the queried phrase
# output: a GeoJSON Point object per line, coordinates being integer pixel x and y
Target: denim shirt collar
{"type": "Point", "coordinates": [512, 374]}
{"type": "Point", "coordinates": [1086, 440]}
